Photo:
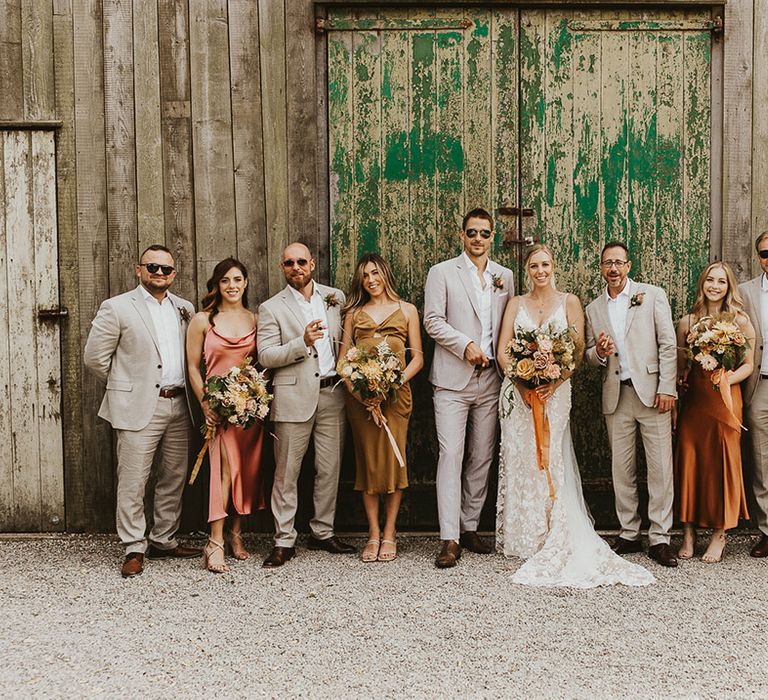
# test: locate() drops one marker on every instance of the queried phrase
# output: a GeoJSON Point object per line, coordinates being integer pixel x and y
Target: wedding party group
{"type": "Point", "coordinates": [314, 362]}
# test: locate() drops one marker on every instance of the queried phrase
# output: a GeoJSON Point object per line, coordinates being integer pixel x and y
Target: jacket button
{"type": "Point", "coordinates": [157, 386]}
{"type": "Point", "coordinates": [159, 366]}
{"type": "Point", "coordinates": [317, 374]}
{"type": "Point", "coordinates": [616, 372]}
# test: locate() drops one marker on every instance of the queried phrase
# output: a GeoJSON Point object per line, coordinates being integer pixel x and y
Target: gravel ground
{"type": "Point", "coordinates": [329, 626]}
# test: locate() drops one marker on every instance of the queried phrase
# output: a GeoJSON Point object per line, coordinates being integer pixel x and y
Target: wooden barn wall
{"type": "Point", "coordinates": [201, 124]}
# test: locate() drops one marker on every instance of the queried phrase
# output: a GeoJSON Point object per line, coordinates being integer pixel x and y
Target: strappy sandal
{"type": "Point", "coordinates": [234, 542]}
{"type": "Point", "coordinates": [370, 551]}
{"type": "Point", "coordinates": [388, 555]}
{"type": "Point", "coordinates": [213, 557]}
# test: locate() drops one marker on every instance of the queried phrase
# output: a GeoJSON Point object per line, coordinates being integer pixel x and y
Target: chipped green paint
{"type": "Point", "coordinates": [561, 46]}
{"type": "Point", "coordinates": [481, 28]}
{"type": "Point", "coordinates": [415, 155]}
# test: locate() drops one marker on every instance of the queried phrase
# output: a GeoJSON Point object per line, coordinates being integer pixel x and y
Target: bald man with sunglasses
{"type": "Point", "coordinates": [136, 345]}
{"type": "Point", "coordinates": [464, 302]}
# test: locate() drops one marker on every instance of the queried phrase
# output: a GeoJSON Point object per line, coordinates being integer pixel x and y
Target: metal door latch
{"type": "Point", "coordinates": [52, 314]}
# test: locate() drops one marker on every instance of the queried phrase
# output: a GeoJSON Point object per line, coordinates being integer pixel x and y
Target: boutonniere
{"type": "Point", "coordinates": [184, 314]}
{"type": "Point", "coordinates": [330, 300]}
{"type": "Point", "coordinates": [636, 299]}
{"type": "Point", "coordinates": [497, 281]}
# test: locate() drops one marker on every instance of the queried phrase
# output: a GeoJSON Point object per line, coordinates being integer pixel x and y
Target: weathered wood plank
{"type": "Point", "coordinates": [96, 475]}
{"type": "Point", "coordinates": [6, 424]}
{"type": "Point", "coordinates": [247, 146]}
{"type": "Point", "coordinates": [25, 451]}
{"type": "Point", "coordinates": [214, 185]}
{"type": "Point", "coordinates": [322, 159]}
{"type": "Point", "coordinates": [176, 130]}
{"type": "Point", "coordinates": [737, 138]}
{"type": "Point", "coordinates": [149, 147]}
{"type": "Point", "coordinates": [48, 390]}
{"type": "Point", "coordinates": [273, 95]}
{"type": "Point", "coordinates": [11, 61]}
{"type": "Point", "coordinates": [760, 121]}
{"type": "Point", "coordinates": [120, 131]}
{"type": "Point", "coordinates": [37, 54]}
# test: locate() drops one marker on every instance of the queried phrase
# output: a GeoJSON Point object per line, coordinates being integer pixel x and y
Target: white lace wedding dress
{"type": "Point", "coordinates": [557, 538]}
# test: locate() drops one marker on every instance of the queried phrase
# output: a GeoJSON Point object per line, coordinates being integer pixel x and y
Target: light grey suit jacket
{"type": "Point", "coordinates": [123, 349]}
{"type": "Point", "coordinates": [452, 318]}
{"type": "Point", "coordinates": [281, 348]}
{"type": "Point", "coordinates": [650, 343]}
{"type": "Point", "coordinates": [751, 291]}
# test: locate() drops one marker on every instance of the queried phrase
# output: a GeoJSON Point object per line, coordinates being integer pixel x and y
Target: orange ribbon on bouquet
{"type": "Point", "coordinates": [381, 421]}
{"type": "Point", "coordinates": [210, 434]}
{"type": "Point", "coordinates": [720, 380]}
{"type": "Point", "coordinates": [541, 430]}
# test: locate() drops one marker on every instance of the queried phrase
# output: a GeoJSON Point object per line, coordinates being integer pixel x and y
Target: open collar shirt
{"type": "Point", "coordinates": [312, 310]}
{"type": "Point", "coordinates": [484, 297]}
{"type": "Point", "coordinates": [166, 320]}
{"type": "Point", "coordinates": [764, 320]}
{"type": "Point", "coordinates": [618, 309]}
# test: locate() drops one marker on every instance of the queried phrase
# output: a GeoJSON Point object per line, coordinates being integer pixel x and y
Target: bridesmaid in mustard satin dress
{"type": "Point", "coordinates": [222, 335]}
{"type": "Point", "coordinates": [709, 486]}
{"type": "Point", "coordinates": [375, 312]}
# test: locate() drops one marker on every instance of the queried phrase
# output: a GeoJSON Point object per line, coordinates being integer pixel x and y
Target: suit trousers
{"type": "Point", "coordinates": [756, 417]}
{"type": "Point", "coordinates": [469, 414]}
{"type": "Point", "coordinates": [656, 432]}
{"type": "Point", "coordinates": [327, 426]}
{"type": "Point", "coordinates": [168, 429]}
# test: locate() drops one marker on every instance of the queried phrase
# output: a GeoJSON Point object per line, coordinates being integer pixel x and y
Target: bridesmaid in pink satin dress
{"type": "Point", "coordinates": [222, 335]}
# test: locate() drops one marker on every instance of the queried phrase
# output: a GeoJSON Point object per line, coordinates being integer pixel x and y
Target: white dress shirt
{"type": "Point", "coordinates": [617, 313]}
{"type": "Point", "coordinates": [484, 298]}
{"type": "Point", "coordinates": [312, 310]}
{"type": "Point", "coordinates": [764, 321]}
{"type": "Point", "coordinates": [166, 319]}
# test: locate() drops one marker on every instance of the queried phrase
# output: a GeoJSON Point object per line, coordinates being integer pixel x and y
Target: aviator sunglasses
{"type": "Point", "coordinates": [301, 262]}
{"type": "Point", "coordinates": [472, 232]}
{"type": "Point", "coordinates": [152, 268]}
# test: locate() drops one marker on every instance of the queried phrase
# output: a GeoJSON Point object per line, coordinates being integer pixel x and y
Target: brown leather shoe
{"type": "Point", "coordinates": [178, 552]}
{"type": "Point", "coordinates": [449, 555]}
{"type": "Point", "coordinates": [662, 553]}
{"type": "Point", "coordinates": [622, 546]}
{"type": "Point", "coordinates": [332, 545]}
{"type": "Point", "coordinates": [760, 550]}
{"type": "Point", "coordinates": [133, 565]}
{"type": "Point", "coordinates": [472, 542]}
{"type": "Point", "coordinates": [278, 556]}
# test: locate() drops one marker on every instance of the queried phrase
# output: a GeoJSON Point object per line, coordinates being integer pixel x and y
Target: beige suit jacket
{"type": "Point", "coordinates": [123, 350]}
{"type": "Point", "coordinates": [452, 318]}
{"type": "Point", "coordinates": [650, 343]}
{"type": "Point", "coordinates": [751, 291]}
{"type": "Point", "coordinates": [281, 348]}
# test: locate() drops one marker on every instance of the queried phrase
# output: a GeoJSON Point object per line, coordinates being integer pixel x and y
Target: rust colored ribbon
{"type": "Point", "coordinates": [210, 434]}
{"type": "Point", "coordinates": [720, 380]}
{"type": "Point", "coordinates": [381, 421]}
{"type": "Point", "coordinates": [541, 430]}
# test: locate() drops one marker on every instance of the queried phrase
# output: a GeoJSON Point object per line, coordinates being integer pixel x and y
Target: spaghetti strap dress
{"type": "Point", "coordinates": [242, 446]}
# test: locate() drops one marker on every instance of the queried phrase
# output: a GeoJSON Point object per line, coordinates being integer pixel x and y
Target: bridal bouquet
{"type": "Point", "coordinates": [717, 343]}
{"type": "Point", "coordinates": [239, 397]}
{"type": "Point", "coordinates": [375, 372]}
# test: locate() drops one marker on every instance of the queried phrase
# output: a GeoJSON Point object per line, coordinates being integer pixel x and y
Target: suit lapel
{"type": "Point", "coordinates": [141, 306]}
{"type": "Point", "coordinates": [754, 291]}
{"type": "Point", "coordinates": [291, 303]}
{"type": "Point", "coordinates": [469, 288]}
{"type": "Point", "coordinates": [632, 309]}
{"type": "Point", "coordinates": [602, 310]}
{"type": "Point", "coordinates": [333, 314]}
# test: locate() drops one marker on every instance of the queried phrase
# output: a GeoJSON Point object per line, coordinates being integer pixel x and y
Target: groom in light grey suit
{"type": "Point", "coordinates": [464, 301]}
{"type": "Point", "coordinates": [755, 391]}
{"type": "Point", "coordinates": [630, 335]}
{"type": "Point", "coordinates": [299, 331]}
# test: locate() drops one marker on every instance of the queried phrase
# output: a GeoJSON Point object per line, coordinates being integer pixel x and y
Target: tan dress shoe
{"type": "Point", "coordinates": [133, 565]}
{"type": "Point", "coordinates": [449, 555]}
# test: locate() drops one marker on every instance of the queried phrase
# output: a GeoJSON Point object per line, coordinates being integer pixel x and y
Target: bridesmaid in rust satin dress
{"type": "Point", "coordinates": [709, 486]}
{"type": "Point", "coordinates": [222, 336]}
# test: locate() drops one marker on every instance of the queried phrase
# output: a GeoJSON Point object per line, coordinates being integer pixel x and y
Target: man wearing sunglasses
{"type": "Point", "coordinates": [464, 301]}
{"type": "Point", "coordinates": [136, 345]}
{"type": "Point", "coordinates": [755, 393]}
{"type": "Point", "coordinates": [299, 332]}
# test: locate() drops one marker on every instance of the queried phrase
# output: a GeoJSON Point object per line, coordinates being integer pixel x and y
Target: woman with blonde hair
{"type": "Point", "coordinates": [374, 313]}
{"type": "Point", "coordinates": [709, 486]}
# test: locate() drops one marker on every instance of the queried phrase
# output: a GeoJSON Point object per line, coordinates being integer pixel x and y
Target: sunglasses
{"type": "Point", "coordinates": [472, 232]}
{"type": "Point", "coordinates": [301, 262]}
{"type": "Point", "coordinates": [152, 268]}
{"type": "Point", "coordinates": [763, 253]}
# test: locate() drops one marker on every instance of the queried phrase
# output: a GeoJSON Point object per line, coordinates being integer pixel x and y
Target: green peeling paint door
{"type": "Point", "coordinates": [595, 124]}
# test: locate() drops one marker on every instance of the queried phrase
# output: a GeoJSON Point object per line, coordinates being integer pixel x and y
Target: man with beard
{"type": "Point", "coordinates": [299, 331]}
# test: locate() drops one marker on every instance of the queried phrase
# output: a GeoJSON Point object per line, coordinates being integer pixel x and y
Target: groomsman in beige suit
{"type": "Point", "coordinates": [464, 301]}
{"type": "Point", "coordinates": [299, 332]}
{"type": "Point", "coordinates": [630, 335]}
{"type": "Point", "coordinates": [136, 345]}
{"type": "Point", "coordinates": [755, 392]}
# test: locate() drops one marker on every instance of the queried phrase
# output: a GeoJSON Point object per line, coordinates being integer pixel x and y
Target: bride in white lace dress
{"type": "Point", "coordinates": [555, 536]}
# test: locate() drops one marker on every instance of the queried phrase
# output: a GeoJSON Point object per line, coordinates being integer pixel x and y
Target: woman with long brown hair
{"type": "Point", "coordinates": [221, 336]}
{"type": "Point", "coordinates": [375, 313]}
{"type": "Point", "coordinates": [709, 486]}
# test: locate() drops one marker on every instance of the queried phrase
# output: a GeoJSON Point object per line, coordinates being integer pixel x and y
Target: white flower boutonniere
{"type": "Point", "coordinates": [185, 316]}
{"type": "Point", "coordinates": [497, 281]}
{"type": "Point", "coordinates": [636, 299]}
{"type": "Point", "coordinates": [331, 300]}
